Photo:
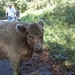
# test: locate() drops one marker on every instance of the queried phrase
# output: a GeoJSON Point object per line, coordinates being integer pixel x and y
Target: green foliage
{"type": "Point", "coordinates": [21, 5]}
{"type": "Point", "coordinates": [2, 13]}
{"type": "Point", "coordinates": [24, 5]}
{"type": "Point", "coordinates": [29, 17]}
{"type": "Point", "coordinates": [70, 14]}
{"type": "Point", "coordinates": [2, 3]}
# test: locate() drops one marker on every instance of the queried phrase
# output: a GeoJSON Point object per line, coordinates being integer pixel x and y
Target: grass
{"type": "Point", "coordinates": [61, 41]}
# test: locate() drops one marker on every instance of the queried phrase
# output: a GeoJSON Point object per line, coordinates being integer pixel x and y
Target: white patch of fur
{"type": "Point", "coordinates": [17, 30]}
{"type": "Point", "coordinates": [41, 22]}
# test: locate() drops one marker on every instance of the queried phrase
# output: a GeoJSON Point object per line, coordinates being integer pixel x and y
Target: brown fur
{"type": "Point", "coordinates": [18, 41]}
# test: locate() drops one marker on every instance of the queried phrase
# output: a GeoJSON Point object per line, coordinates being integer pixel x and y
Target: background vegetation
{"type": "Point", "coordinates": [59, 28]}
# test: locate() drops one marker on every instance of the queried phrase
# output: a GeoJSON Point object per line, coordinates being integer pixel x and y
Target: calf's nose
{"type": "Point", "coordinates": [38, 49]}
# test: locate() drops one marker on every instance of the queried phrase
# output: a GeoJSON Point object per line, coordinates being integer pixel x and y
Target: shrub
{"type": "Point", "coordinates": [2, 13]}
{"type": "Point", "coordinates": [29, 18]}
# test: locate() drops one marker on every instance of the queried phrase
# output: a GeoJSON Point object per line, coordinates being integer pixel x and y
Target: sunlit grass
{"type": "Point", "coordinates": [61, 41]}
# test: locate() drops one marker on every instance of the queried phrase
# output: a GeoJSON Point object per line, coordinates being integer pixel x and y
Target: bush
{"type": "Point", "coordinates": [2, 13]}
{"type": "Point", "coordinates": [21, 5]}
{"type": "Point", "coordinates": [70, 14]}
{"type": "Point", "coordinates": [29, 18]}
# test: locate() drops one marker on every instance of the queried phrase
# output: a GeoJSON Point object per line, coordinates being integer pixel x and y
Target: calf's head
{"type": "Point", "coordinates": [34, 34]}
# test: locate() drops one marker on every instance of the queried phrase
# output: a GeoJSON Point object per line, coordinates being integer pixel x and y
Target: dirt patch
{"type": "Point", "coordinates": [40, 64]}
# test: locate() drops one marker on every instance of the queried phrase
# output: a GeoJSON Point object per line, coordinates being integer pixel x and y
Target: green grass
{"type": "Point", "coordinates": [61, 41]}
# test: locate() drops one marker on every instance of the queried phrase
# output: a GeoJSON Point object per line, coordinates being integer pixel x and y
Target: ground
{"type": "Point", "coordinates": [39, 64]}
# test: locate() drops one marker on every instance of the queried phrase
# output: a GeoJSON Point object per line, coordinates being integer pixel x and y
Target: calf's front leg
{"type": "Point", "coordinates": [16, 67]}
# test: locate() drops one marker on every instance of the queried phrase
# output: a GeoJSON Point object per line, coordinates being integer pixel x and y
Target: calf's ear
{"type": "Point", "coordinates": [21, 28]}
{"type": "Point", "coordinates": [41, 22]}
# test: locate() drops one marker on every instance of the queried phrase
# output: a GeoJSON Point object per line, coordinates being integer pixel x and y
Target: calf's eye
{"type": "Point", "coordinates": [29, 36]}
